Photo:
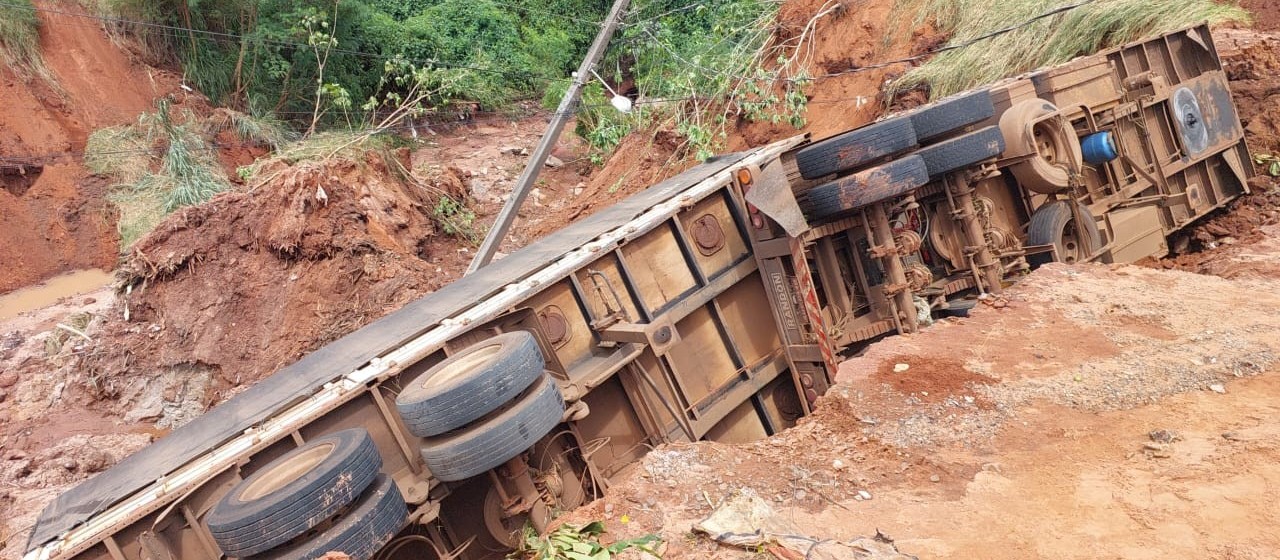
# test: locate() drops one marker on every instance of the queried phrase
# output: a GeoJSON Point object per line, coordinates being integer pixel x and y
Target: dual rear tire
{"type": "Point", "coordinates": [327, 495]}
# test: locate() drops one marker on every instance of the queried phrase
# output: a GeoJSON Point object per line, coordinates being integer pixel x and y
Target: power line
{"type": "Point", "coordinates": [49, 157]}
{"type": "Point", "coordinates": [32, 159]}
{"type": "Point", "coordinates": [179, 32]}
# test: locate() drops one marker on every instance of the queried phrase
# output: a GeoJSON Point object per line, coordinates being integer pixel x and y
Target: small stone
{"type": "Point", "coordinates": [69, 464]}
{"type": "Point", "coordinates": [1218, 388]}
{"type": "Point", "coordinates": [935, 478]}
{"type": "Point", "coordinates": [801, 494]}
{"type": "Point", "coordinates": [968, 399]}
{"type": "Point", "coordinates": [8, 379]}
{"type": "Point", "coordinates": [671, 483]}
{"type": "Point", "coordinates": [899, 368]}
{"type": "Point", "coordinates": [838, 465]}
{"type": "Point", "coordinates": [1000, 304]}
{"type": "Point", "coordinates": [554, 162]}
{"type": "Point", "coordinates": [864, 494]}
{"type": "Point", "coordinates": [608, 509]}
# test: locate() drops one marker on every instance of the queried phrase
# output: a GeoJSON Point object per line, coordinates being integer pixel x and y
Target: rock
{"type": "Point", "coordinates": [863, 494]}
{"type": "Point", "coordinates": [838, 465]}
{"type": "Point", "coordinates": [578, 188]}
{"type": "Point", "coordinates": [1164, 436]}
{"type": "Point", "coordinates": [935, 478]}
{"type": "Point", "coordinates": [801, 494]}
{"type": "Point", "coordinates": [899, 368]}
{"type": "Point", "coordinates": [8, 379]}
{"type": "Point", "coordinates": [3, 395]}
{"type": "Point", "coordinates": [69, 464]}
{"type": "Point", "coordinates": [608, 509]}
{"type": "Point", "coordinates": [554, 162]}
{"type": "Point", "coordinates": [1218, 388]}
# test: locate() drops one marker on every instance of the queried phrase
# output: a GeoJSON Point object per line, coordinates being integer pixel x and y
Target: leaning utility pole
{"type": "Point", "coordinates": [566, 109]}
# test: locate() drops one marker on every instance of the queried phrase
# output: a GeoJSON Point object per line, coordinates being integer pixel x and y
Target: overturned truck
{"type": "Point", "coordinates": [713, 305]}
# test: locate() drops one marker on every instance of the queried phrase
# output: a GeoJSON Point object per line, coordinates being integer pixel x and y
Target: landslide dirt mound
{"type": "Point", "coordinates": [53, 216]}
{"type": "Point", "coordinates": [251, 281]}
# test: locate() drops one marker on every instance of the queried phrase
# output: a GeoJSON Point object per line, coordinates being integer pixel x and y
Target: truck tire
{"type": "Point", "coordinates": [1052, 146]}
{"type": "Point", "coordinates": [1052, 223]}
{"type": "Point", "coordinates": [492, 441]}
{"type": "Point", "coordinates": [294, 493]}
{"type": "Point", "coordinates": [361, 532]}
{"type": "Point", "coordinates": [951, 113]}
{"type": "Point", "coordinates": [962, 151]}
{"type": "Point", "coordinates": [471, 384]}
{"type": "Point", "coordinates": [857, 147]}
{"type": "Point", "coordinates": [865, 187]}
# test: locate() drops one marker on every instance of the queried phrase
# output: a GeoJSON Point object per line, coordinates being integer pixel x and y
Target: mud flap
{"type": "Point", "coordinates": [772, 196]}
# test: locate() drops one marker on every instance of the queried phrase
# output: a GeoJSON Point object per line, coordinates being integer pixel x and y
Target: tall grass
{"type": "Point", "coordinates": [1053, 40]}
{"type": "Point", "coordinates": [159, 166]}
{"type": "Point", "coordinates": [264, 130]}
{"type": "Point", "coordinates": [20, 36]}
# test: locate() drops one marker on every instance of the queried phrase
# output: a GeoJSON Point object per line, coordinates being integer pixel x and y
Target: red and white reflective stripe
{"type": "Point", "coordinates": [809, 295]}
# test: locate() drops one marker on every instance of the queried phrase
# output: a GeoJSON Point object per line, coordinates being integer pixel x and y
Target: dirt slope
{"type": "Point", "coordinates": [58, 220]}
{"type": "Point", "coordinates": [1023, 432]}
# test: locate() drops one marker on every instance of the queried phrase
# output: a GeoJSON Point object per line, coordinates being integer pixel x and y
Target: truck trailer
{"type": "Point", "coordinates": [714, 305]}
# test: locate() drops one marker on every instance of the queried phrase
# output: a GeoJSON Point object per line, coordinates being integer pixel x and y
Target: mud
{"type": "Point", "coordinates": [251, 281]}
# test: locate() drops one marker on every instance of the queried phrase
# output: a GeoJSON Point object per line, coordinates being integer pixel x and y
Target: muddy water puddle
{"type": "Point", "coordinates": [45, 293]}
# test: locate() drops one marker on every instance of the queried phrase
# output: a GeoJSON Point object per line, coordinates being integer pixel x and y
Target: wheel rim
{"type": "Point", "coordinates": [281, 475]}
{"type": "Point", "coordinates": [1047, 142]}
{"type": "Point", "coordinates": [1070, 247]}
{"type": "Point", "coordinates": [505, 530]}
{"type": "Point", "coordinates": [463, 365]}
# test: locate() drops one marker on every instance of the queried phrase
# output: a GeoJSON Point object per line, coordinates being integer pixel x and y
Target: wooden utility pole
{"type": "Point", "coordinates": [566, 109]}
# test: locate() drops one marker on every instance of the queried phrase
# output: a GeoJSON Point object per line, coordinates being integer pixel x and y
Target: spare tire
{"type": "Point", "coordinates": [1053, 224]}
{"type": "Point", "coordinates": [855, 148]}
{"type": "Point", "coordinates": [470, 384]}
{"type": "Point", "coordinates": [492, 441]}
{"type": "Point", "coordinates": [294, 493]}
{"type": "Point", "coordinates": [864, 187]}
{"type": "Point", "coordinates": [359, 533]}
{"type": "Point", "coordinates": [1052, 146]}
{"type": "Point", "coordinates": [951, 113]}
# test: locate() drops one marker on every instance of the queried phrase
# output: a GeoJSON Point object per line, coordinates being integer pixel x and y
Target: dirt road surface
{"type": "Point", "coordinates": [1092, 412]}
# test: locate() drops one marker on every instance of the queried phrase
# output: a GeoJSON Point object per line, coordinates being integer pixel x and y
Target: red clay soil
{"type": "Point", "coordinates": [930, 380]}
{"type": "Point", "coordinates": [851, 36]}
{"type": "Point", "coordinates": [1266, 14]}
{"type": "Point", "coordinates": [251, 281]}
{"type": "Point", "coordinates": [59, 220]}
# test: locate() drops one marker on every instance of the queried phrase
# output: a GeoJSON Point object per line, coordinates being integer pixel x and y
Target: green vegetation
{"type": "Point", "coordinates": [20, 36]}
{"type": "Point", "coordinates": [1052, 40]}
{"type": "Point", "coordinates": [578, 543]}
{"type": "Point", "coordinates": [321, 64]}
{"type": "Point", "coordinates": [695, 67]}
{"type": "Point", "coordinates": [280, 53]}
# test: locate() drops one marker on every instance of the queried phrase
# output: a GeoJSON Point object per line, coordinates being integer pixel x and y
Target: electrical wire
{"type": "Point", "coordinates": [233, 37]}
{"type": "Point", "coordinates": [37, 158]}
